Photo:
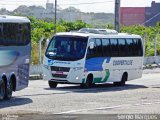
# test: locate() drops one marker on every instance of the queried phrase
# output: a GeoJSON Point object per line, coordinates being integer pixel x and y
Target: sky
{"type": "Point", "coordinates": [106, 6]}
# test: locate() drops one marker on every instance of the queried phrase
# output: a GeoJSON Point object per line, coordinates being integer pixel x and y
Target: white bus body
{"type": "Point", "coordinates": [107, 58]}
{"type": "Point", "coordinates": [15, 48]}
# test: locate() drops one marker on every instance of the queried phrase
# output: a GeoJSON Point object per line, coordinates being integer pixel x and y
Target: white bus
{"type": "Point", "coordinates": [87, 59]}
{"type": "Point", "coordinates": [15, 48]}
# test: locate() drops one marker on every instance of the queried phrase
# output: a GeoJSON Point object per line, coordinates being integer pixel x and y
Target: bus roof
{"type": "Point", "coordinates": [119, 35]}
{"type": "Point", "coordinates": [13, 19]}
{"type": "Point", "coordinates": [98, 31]}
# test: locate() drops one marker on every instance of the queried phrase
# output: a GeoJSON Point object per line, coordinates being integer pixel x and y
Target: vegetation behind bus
{"type": "Point", "coordinates": [46, 28]}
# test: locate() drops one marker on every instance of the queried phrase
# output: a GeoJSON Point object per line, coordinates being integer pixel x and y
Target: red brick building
{"type": "Point", "coordinates": [132, 15]}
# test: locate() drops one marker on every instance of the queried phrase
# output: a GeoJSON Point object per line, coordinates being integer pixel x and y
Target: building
{"type": "Point", "coordinates": [152, 14]}
{"type": "Point", "coordinates": [148, 16]}
{"type": "Point", "coordinates": [132, 15]}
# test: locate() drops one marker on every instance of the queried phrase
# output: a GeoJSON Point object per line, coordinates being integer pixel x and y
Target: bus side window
{"type": "Point", "coordinates": [24, 30]}
{"type": "Point", "coordinates": [138, 50]}
{"type": "Point", "coordinates": [99, 48]}
{"type": "Point", "coordinates": [106, 47]}
{"type": "Point", "coordinates": [130, 47]}
{"type": "Point", "coordinates": [15, 34]}
{"type": "Point", "coordinates": [122, 47]}
{"type": "Point", "coordinates": [91, 52]}
{"type": "Point", "coordinates": [114, 48]}
{"type": "Point", "coordinates": [140, 47]}
{"type": "Point", "coordinates": [1, 34]}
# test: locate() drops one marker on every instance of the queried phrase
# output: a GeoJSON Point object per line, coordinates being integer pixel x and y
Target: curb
{"type": "Point", "coordinates": [35, 77]}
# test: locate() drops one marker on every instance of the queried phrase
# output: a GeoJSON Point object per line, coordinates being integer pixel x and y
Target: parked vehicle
{"type": "Point", "coordinates": [15, 50]}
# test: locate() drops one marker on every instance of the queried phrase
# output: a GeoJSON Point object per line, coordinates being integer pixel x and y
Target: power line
{"type": "Point", "coordinates": [151, 18]}
{"type": "Point", "coordinates": [88, 3]}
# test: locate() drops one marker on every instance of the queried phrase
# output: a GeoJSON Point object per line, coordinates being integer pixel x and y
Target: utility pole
{"type": "Point", "coordinates": [117, 16]}
{"type": "Point", "coordinates": [55, 17]}
{"type": "Point", "coordinates": [155, 44]}
{"type": "Point", "coordinates": [144, 43]}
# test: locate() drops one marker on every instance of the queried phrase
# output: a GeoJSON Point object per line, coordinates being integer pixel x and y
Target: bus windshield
{"type": "Point", "coordinates": [67, 48]}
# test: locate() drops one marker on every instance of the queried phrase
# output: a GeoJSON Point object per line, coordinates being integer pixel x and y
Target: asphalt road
{"type": "Point", "coordinates": [138, 96]}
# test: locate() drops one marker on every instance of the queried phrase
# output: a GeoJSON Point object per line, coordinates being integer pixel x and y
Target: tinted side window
{"type": "Point", "coordinates": [106, 47]}
{"type": "Point", "coordinates": [130, 47]}
{"type": "Point", "coordinates": [1, 33]}
{"type": "Point", "coordinates": [24, 33]}
{"type": "Point", "coordinates": [14, 34]}
{"type": "Point", "coordinates": [114, 48]}
{"type": "Point", "coordinates": [91, 52]}
{"type": "Point", "coordinates": [138, 50]}
{"type": "Point", "coordinates": [99, 48]}
{"type": "Point", "coordinates": [122, 47]}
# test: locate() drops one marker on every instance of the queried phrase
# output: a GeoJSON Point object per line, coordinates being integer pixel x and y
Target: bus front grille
{"type": "Point", "coordinates": [60, 81]}
{"type": "Point", "coordinates": [62, 69]}
{"type": "Point", "coordinates": [59, 75]}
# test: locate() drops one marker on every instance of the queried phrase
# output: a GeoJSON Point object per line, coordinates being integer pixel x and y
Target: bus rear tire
{"type": "Point", "coordinates": [2, 90]}
{"type": "Point", "coordinates": [123, 80]}
{"type": "Point", "coordinates": [9, 91]}
{"type": "Point", "coordinates": [52, 84]}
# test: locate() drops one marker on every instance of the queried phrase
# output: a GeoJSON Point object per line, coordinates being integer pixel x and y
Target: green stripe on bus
{"type": "Point", "coordinates": [99, 80]}
{"type": "Point", "coordinates": [107, 75]}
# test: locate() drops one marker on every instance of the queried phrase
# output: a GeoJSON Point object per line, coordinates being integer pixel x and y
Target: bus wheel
{"type": "Point", "coordinates": [2, 90]}
{"type": "Point", "coordinates": [89, 82]}
{"type": "Point", "coordinates": [9, 90]}
{"type": "Point", "coordinates": [123, 80]}
{"type": "Point", "coordinates": [52, 84]}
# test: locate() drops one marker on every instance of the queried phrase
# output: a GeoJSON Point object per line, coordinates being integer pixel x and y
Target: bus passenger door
{"type": "Point", "coordinates": [94, 60]}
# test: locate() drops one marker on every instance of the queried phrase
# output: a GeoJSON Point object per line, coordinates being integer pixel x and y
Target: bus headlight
{"type": "Point", "coordinates": [77, 78]}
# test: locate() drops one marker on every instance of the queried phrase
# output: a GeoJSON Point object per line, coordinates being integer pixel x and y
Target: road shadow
{"type": "Point", "coordinates": [66, 89]}
{"type": "Point", "coordinates": [97, 88]}
{"type": "Point", "coordinates": [14, 102]}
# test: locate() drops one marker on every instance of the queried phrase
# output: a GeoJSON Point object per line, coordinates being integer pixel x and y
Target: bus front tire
{"type": "Point", "coordinates": [123, 80]}
{"type": "Point", "coordinates": [52, 84]}
{"type": "Point", "coordinates": [9, 91]}
{"type": "Point", "coordinates": [2, 90]}
{"type": "Point", "coordinates": [89, 82]}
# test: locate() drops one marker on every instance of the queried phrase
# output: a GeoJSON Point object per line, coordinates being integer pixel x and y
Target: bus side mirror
{"type": "Point", "coordinates": [91, 45]}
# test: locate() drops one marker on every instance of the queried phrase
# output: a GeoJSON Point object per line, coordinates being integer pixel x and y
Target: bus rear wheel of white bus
{"type": "Point", "coordinates": [52, 84]}
{"type": "Point", "coordinates": [123, 80]}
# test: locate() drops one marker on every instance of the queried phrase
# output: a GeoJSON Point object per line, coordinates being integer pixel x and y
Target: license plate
{"type": "Point", "coordinates": [60, 73]}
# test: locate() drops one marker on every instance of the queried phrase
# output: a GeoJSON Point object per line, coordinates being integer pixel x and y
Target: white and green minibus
{"type": "Point", "coordinates": [88, 58]}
